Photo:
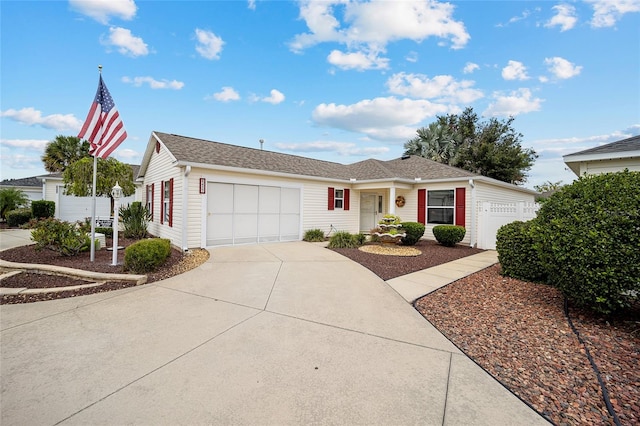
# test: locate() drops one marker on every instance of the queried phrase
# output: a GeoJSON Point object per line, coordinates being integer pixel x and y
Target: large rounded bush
{"type": "Point", "coordinates": [589, 235]}
{"type": "Point", "coordinates": [146, 255]}
{"type": "Point", "coordinates": [449, 235]}
{"type": "Point", "coordinates": [414, 231]}
{"type": "Point", "coordinates": [515, 243]}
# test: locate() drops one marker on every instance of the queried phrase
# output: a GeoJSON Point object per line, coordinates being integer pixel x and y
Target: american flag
{"type": "Point", "coordinates": [103, 126]}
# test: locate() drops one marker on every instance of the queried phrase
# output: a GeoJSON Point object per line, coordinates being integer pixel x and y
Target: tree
{"type": "Point", "coordinates": [435, 143]}
{"type": "Point", "coordinates": [491, 148]}
{"type": "Point", "coordinates": [61, 152]}
{"type": "Point", "coordinates": [11, 199]}
{"type": "Point", "coordinates": [548, 186]}
{"type": "Point", "coordinates": [78, 178]}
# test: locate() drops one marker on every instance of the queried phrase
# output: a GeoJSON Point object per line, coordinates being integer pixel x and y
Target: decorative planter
{"type": "Point", "coordinates": [386, 237]}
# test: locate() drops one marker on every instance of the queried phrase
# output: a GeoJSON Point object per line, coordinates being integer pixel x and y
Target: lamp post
{"type": "Point", "coordinates": [116, 193]}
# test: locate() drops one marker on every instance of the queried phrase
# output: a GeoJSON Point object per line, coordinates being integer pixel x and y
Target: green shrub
{"type": "Point", "coordinates": [108, 232]}
{"type": "Point", "coordinates": [43, 208]}
{"type": "Point", "coordinates": [146, 255]}
{"type": "Point", "coordinates": [18, 217]}
{"type": "Point", "coordinates": [515, 243]}
{"type": "Point", "coordinates": [589, 238]}
{"type": "Point", "coordinates": [314, 235]}
{"type": "Point", "coordinates": [135, 219]}
{"type": "Point", "coordinates": [449, 235]}
{"type": "Point", "coordinates": [64, 237]}
{"type": "Point", "coordinates": [343, 239]}
{"type": "Point", "coordinates": [11, 199]}
{"type": "Point", "coordinates": [414, 231]}
{"type": "Point", "coordinates": [360, 239]}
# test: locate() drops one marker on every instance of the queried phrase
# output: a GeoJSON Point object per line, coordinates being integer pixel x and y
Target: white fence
{"type": "Point", "coordinates": [491, 216]}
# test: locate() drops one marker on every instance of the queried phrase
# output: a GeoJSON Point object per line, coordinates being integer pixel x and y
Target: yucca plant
{"type": "Point", "coordinates": [135, 219]}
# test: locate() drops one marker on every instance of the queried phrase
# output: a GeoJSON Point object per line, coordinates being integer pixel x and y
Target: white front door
{"type": "Point", "coordinates": [368, 212]}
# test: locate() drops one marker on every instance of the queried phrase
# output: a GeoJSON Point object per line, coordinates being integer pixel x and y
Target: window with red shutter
{"type": "Point", "coordinates": [346, 199]}
{"type": "Point", "coordinates": [171, 202]}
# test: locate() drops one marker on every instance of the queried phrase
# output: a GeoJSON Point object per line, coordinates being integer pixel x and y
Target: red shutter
{"type": "Point", "coordinates": [422, 204]}
{"type": "Point", "coordinates": [346, 199]}
{"type": "Point", "coordinates": [460, 203]}
{"type": "Point", "coordinates": [152, 200]}
{"type": "Point", "coordinates": [171, 202]}
{"type": "Point", "coordinates": [331, 202]}
{"type": "Point", "coordinates": [161, 202]}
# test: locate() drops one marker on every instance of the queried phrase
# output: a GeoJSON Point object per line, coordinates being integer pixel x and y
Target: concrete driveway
{"type": "Point", "coordinates": [273, 334]}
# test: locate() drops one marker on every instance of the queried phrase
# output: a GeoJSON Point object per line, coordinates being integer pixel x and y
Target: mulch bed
{"type": "Point", "coordinates": [517, 331]}
{"type": "Point", "coordinates": [389, 267]}
{"type": "Point", "coordinates": [40, 281]}
{"type": "Point", "coordinates": [176, 263]}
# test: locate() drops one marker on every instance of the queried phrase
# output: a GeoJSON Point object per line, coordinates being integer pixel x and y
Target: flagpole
{"type": "Point", "coordinates": [93, 200]}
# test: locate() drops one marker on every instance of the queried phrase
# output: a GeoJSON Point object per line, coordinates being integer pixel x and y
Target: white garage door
{"type": "Point", "coordinates": [241, 214]}
{"type": "Point", "coordinates": [71, 208]}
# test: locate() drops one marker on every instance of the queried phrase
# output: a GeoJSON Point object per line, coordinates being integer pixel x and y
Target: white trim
{"type": "Point", "coordinates": [576, 158]}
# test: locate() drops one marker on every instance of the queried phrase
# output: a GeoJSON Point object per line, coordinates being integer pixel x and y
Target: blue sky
{"type": "Point", "coordinates": [335, 80]}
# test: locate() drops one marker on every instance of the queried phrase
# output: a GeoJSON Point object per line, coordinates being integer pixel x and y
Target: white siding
{"type": "Point", "coordinates": [161, 169]}
{"type": "Point", "coordinates": [316, 212]}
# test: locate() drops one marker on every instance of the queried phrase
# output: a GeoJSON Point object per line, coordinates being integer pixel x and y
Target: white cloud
{"type": "Point", "coordinates": [251, 4]}
{"type": "Point", "coordinates": [470, 67]}
{"type": "Point", "coordinates": [357, 60]}
{"type": "Point", "coordinates": [32, 117]}
{"type": "Point", "coordinates": [565, 17]}
{"type": "Point", "coordinates": [517, 102]}
{"type": "Point", "coordinates": [369, 26]}
{"type": "Point", "coordinates": [412, 57]}
{"type": "Point", "coordinates": [562, 68]}
{"type": "Point", "coordinates": [274, 98]}
{"type": "Point", "coordinates": [102, 10]}
{"type": "Point", "coordinates": [225, 95]}
{"type": "Point", "coordinates": [515, 71]}
{"type": "Point", "coordinates": [341, 148]}
{"type": "Point", "coordinates": [153, 83]}
{"type": "Point", "coordinates": [128, 156]}
{"type": "Point", "coordinates": [443, 88]}
{"type": "Point", "coordinates": [380, 118]}
{"type": "Point", "coordinates": [32, 144]}
{"type": "Point", "coordinates": [607, 12]}
{"type": "Point", "coordinates": [125, 42]}
{"type": "Point", "coordinates": [209, 45]}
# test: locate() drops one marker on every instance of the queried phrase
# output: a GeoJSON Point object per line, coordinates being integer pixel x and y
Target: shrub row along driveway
{"type": "Point", "coordinates": [287, 333]}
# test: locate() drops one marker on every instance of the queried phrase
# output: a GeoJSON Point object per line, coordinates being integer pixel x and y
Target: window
{"type": "Point", "coordinates": [440, 207]}
{"type": "Point", "coordinates": [338, 198]}
{"type": "Point", "coordinates": [167, 202]}
{"type": "Point", "coordinates": [150, 200]}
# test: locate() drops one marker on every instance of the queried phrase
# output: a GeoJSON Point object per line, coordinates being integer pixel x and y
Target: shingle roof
{"type": "Point", "coordinates": [28, 181]}
{"type": "Point", "coordinates": [200, 151]}
{"type": "Point", "coordinates": [135, 168]}
{"type": "Point", "coordinates": [625, 145]}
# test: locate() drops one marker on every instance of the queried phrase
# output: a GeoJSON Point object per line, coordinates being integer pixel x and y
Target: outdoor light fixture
{"type": "Point", "coordinates": [116, 193]}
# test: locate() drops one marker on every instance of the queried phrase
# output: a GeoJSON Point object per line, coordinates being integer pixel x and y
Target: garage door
{"type": "Point", "coordinates": [71, 208]}
{"type": "Point", "coordinates": [242, 214]}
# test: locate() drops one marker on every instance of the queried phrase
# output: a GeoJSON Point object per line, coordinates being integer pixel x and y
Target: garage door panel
{"type": "Point", "coordinates": [269, 200]}
{"type": "Point", "coordinates": [269, 227]}
{"type": "Point", "coordinates": [290, 201]}
{"type": "Point", "coordinates": [219, 229]}
{"type": "Point", "coordinates": [245, 199]}
{"type": "Point", "coordinates": [220, 200]}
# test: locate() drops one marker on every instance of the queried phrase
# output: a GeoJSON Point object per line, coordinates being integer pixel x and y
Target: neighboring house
{"type": "Point", "coordinates": [612, 157]}
{"type": "Point", "coordinates": [31, 186]}
{"type": "Point", "coordinates": [203, 193]}
{"type": "Point", "coordinates": [71, 208]}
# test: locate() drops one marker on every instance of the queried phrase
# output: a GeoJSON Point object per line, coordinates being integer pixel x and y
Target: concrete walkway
{"type": "Point", "coordinates": [272, 334]}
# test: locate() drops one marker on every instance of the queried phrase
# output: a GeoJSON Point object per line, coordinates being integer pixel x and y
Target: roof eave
{"type": "Point", "coordinates": [577, 158]}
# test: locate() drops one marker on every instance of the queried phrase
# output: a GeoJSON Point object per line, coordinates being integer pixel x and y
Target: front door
{"type": "Point", "coordinates": [368, 212]}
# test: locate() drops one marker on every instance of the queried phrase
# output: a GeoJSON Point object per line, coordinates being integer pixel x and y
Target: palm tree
{"type": "Point", "coordinates": [11, 199]}
{"type": "Point", "coordinates": [63, 151]}
{"type": "Point", "coordinates": [435, 143]}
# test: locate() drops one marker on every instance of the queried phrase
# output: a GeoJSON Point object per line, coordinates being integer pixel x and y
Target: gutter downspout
{"type": "Point", "coordinates": [472, 239]}
{"type": "Point", "coordinates": [185, 207]}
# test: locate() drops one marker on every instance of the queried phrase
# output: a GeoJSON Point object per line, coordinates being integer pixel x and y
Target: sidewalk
{"type": "Point", "coordinates": [415, 285]}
